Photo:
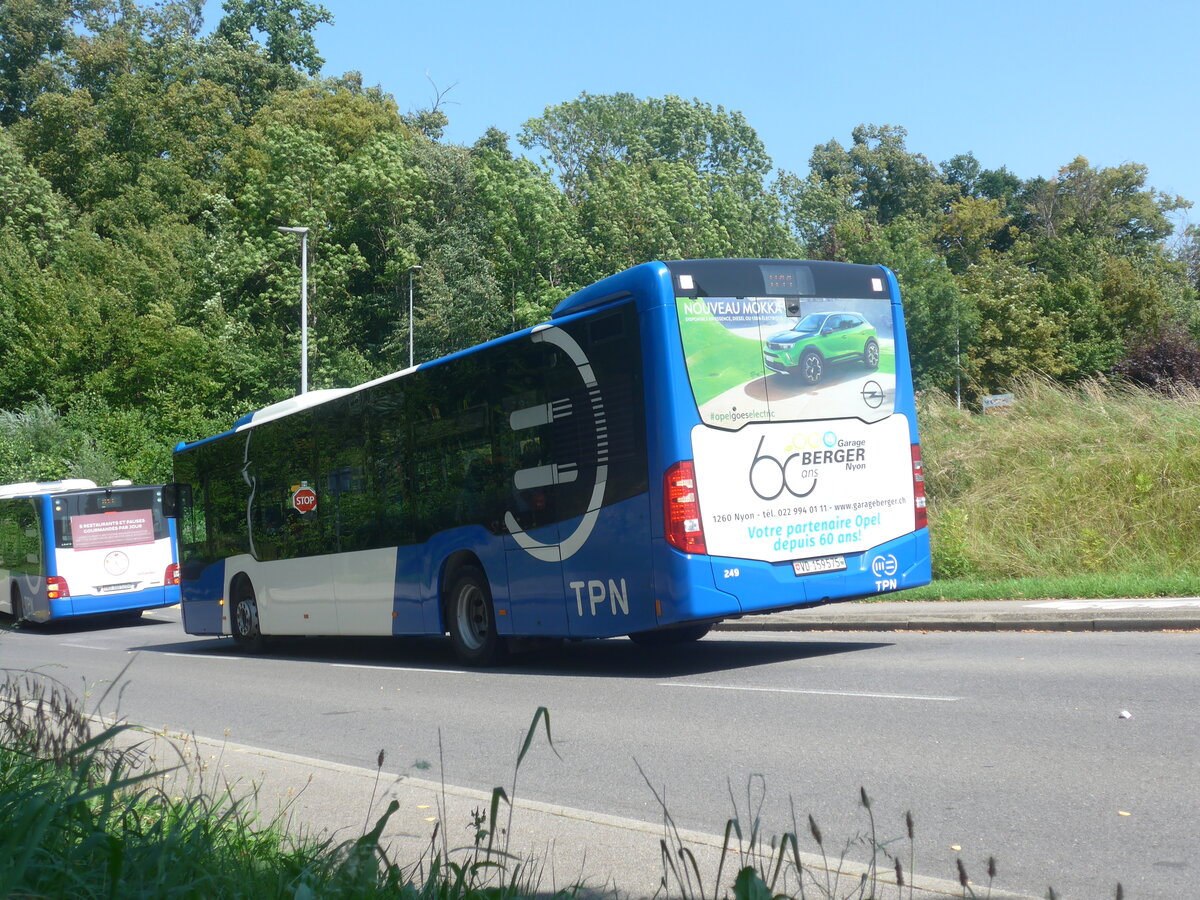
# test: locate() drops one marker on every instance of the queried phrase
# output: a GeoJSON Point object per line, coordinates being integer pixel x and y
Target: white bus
{"type": "Point", "coordinates": [71, 548]}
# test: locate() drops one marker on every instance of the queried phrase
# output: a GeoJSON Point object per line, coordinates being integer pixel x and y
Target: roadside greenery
{"type": "Point", "coordinates": [1083, 491]}
{"type": "Point", "coordinates": [86, 816]}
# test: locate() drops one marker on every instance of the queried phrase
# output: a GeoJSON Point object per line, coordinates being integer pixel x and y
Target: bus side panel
{"type": "Point", "coordinates": [609, 581]}
{"type": "Point", "coordinates": [40, 607]}
{"type": "Point", "coordinates": [22, 548]}
{"type": "Point", "coordinates": [438, 550]}
{"type": "Point", "coordinates": [364, 587]}
{"type": "Point", "coordinates": [670, 409]}
{"type": "Point", "coordinates": [202, 598]}
{"type": "Point", "coordinates": [535, 589]}
{"type": "Point", "coordinates": [683, 584]}
{"type": "Point", "coordinates": [684, 588]}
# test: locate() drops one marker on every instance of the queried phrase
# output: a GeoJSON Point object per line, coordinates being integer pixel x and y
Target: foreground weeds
{"type": "Point", "coordinates": [85, 817]}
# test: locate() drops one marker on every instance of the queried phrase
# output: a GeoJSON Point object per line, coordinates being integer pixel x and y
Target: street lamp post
{"type": "Point", "coordinates": [957, 352]}
{"type": "Point", "coordinates": [411, 271]}
{"type": "Point", "coordinates": [303, 232]}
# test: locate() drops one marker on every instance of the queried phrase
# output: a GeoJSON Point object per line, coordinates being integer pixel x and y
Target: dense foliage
{"type": "Point", "coordinates": [146, 295]}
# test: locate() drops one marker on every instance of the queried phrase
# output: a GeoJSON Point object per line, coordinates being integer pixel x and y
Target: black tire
{"type": "Point", "coordinates": [671, 637]}
{"type": "Point", "coordinates": [471, 619]}
{"type": "Point", "coordinates": [244, 621]}
{"type": "Point", "coordinates": [812, 366]}
{"type": "Point", "coordinates": [18, 605]}
{"type": "Point", "coordinates": [871, 355]}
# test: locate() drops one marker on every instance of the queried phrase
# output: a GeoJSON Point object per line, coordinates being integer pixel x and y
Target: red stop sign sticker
{"type": "Point", "coordinates": [305, 500]}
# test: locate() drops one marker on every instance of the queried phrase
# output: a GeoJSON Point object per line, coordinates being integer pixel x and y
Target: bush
{"type": "Point", "coordinates": [1165, 362]}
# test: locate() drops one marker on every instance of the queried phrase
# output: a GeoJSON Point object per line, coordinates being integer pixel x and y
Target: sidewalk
{"type": "Point", "coordinates": [1161, 614]}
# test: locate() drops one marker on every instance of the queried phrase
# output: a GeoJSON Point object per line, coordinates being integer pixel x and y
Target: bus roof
{"type": "Point", "coordinates": [31, 488]}
{"type": "Point", "coordinates": [290, 405]}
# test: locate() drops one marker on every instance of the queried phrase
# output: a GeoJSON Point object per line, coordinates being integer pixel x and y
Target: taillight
{"type": "Point", "coordinates": [172, 576]}
{"type": "Point", "coordinates": [919, 488]}
{"type": "Point", "coordinates": [681, 509]}
{"type": "Point", "coordinates": [56, 587]}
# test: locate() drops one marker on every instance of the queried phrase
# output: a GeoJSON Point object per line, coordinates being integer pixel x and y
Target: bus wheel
{"type": "Point", "coordinates": [811, 366]}
{"type": "Point", "coordinates": [669, 637]}
{"type": "Point", "coordinates": [246, 630]}
{"type": "Point", "coordinates": [871, 354]}
{"type": "Point", "coordinates": [471, 619]}
{"type": "Point", "coordinates": [18, 604]}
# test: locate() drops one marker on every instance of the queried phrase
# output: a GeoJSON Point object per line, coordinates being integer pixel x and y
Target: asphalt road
{"type": "Point", "coordinates": [1003, 744]}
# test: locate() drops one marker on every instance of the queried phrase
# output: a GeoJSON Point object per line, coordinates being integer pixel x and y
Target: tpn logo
{"type": "Point", "coordinates": [884, 566]}
{"type": "Point", "coordinates": [562, 471]}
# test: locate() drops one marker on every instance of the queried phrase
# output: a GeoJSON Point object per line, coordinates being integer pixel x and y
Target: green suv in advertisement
{"type": "Point", "coordinates": [819, 339]}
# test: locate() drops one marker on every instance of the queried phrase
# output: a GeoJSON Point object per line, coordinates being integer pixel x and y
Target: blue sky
{"type": "Point", "coordinates": [1028, 85]}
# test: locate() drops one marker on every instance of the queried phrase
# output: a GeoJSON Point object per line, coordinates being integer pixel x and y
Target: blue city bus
{"type": "Point", "coordinates": [71, 548]}
{"type": "Point", "coordinates": [682, 443]}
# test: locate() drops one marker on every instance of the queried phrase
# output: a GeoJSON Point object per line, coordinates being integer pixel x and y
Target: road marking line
{"type": "Point", "coordinates": [85, 646]}
{"type": "Point", "coordinates": [400, 669]}
{"type": "Point", "coordinates": [332, 665]}
{"type": "Point", "coordinates": [733, 687]}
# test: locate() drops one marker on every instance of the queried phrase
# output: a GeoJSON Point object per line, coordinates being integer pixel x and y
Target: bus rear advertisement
{"type": "Point", "coordinates": [682, 443]}
{"type": "Point", "coordinates": [70, 548]}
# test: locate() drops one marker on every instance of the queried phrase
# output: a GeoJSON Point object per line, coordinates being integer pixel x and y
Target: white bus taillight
{"type": "Point", "coordinates": [56, 587]}
{"type": "Point", "coordinates": [681, 509]}
{"type": "Point", "coordinates": [919, 488]}
{"type": "Point", "coordinates": [172, 576]}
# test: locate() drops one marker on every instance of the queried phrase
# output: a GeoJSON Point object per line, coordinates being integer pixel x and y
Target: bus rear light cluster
{"type": "Point", "coordinates": [922, 520]}
{"type": "Point", "coordinates": [681, 509]}
{"type": "Point", "coordinates": [172, 575]}
{"type": "Point", "coordinates": [56, 587]}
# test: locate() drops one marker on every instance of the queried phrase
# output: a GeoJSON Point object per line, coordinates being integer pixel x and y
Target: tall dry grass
{"type": "Point", "coordinates": [1096, 479]}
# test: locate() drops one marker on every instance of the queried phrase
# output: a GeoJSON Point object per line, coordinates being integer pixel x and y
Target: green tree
{"type": "Point", "coordinates": [1015, 334]}
{"type": "Point", "coordinates": [879, 174]}
{"type": "Point", "coordinates": [971, 227]}
{"type": "Point", "coordinates": [35, 43]}
{"type": "Point", "coordinates": [287, 26]}
{"type": "Point", "coordinates": [536, 248]}
{"type": "Point", "coordinates": [1112, 203]}
{"type": "Point", "coordinates": [661, 177]}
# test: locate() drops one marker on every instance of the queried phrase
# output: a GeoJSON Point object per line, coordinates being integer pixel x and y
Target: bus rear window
{"type": "Point", "coordinates": [776, 359]}
{"type": "Point", "coordinates": [108, 518]}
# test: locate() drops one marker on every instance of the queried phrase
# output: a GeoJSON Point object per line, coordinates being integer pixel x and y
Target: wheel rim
{"type": "Point", "coordinates": [472, 616]}
{"type": "Point", "coordinates": [812, 367]}
{"type": "Point", "coordinates": [872, 355]}
{"type": "Point", "coordinates": [247, 618]}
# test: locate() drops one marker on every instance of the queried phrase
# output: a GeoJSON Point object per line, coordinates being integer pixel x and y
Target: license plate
{"type": "Point", "coordinates": [114, 588]}
{"type": "Point", "coordinates": [821, 564]}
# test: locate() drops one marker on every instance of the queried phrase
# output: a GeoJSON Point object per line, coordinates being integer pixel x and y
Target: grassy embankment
{"type": "Point", "coordinates": [1091, 491]}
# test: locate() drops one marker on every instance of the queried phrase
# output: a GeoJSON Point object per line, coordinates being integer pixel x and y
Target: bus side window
{"type": "Point", "coordinates": [389, 470]}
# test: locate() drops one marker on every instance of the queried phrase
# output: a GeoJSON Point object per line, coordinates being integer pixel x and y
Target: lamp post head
{"type": "Point", "coordinates": [414, 269]}
{"type": "Point", "coordinates": [286, 229]}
